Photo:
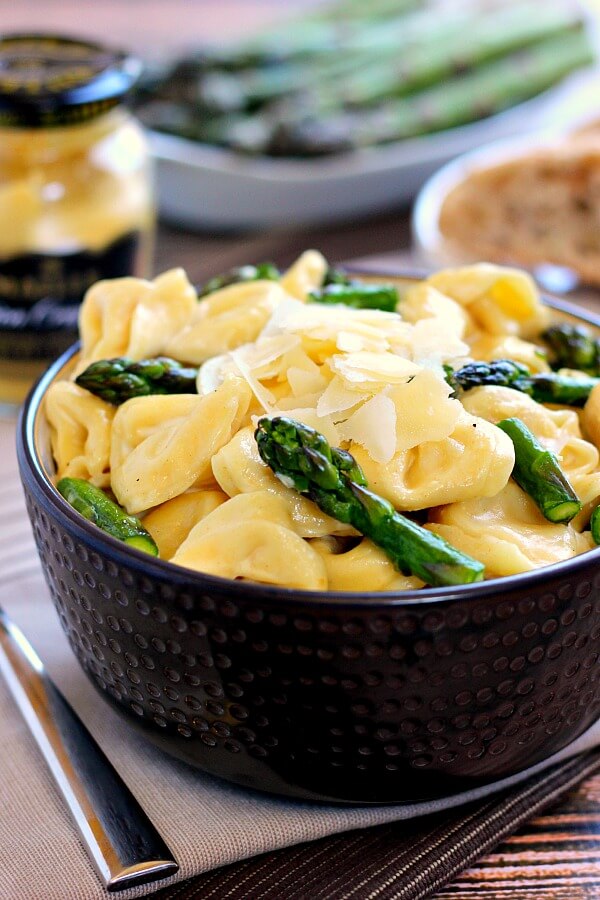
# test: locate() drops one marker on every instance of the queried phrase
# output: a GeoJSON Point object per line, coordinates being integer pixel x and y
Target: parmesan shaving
{"type": "Point", "coordinates": [375, 368]}
{"type": "Point", "coordinates": [425, 411]}
{"type": "Point", "coordinates": [266, 350]}
{"type": "Point", "coordinates": [304, 400]}
{"type": "Point", "coordinates": [433, 343]}
{"type": "Point", "coordinates": [264, 397]}
{"type": "Point", "coordinates": [336, 398]}
{"type": "Point", "coordinates": [304, 381]}
{"type": "Point", "coordinates": [373, 426]}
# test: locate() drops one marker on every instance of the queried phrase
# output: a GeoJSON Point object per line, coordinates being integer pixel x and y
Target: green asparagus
{"type": "Point", "coordinates": [352, 75]}
{"type": "Point", "coordinates": [94, 505]}
{"type": "Point", "coordinates": [538, 473]}
{"type": "Point", "coordinates": [302, 459]}
{"type": "Point", "coordinates": [120, 379]}
{"type": "Point", "coordinates": [481, 92]}
{"type": "Point", "coordinates": [266, 271]}
{"type": "Point", "coordinates": [357, 295]}
{"type": "Point", "coordinates": [336, 276]}
{"type": "Point", "coordinates": [595, 524]}
{"type": "Point", "coordinates": [573, 347]}
{"type": "Point", "coordinates": [405, 54]}
{"type": "Point", "coordinates": [465, 42]}
{"type": "Point", "coordinates": [545, 387]}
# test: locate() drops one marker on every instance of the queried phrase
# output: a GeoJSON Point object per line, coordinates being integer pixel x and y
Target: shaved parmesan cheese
{"type": "Point", "coordinates": [303, 381]}
{"type": "Point", "coordinates": [377, 368]}
{"type": "Point", "coordinates": [348, 342]}
{"type": "Point", "coordinates": [373, 426]}
{"type": "Point", "coordinates": [256, 358]}
{"type": "Point", "coordinates": [425, 411]}
{"type": "Point", "coordinates": [433, 343]}
{"type": "Point", "coordinates": [367, 329]}
{"type": "Point", "coordinates": [304, 401]}
{"type": "Point", "coordinates": [266, 350]}
{"type": "Point", "coordinates": [336, 398]}
{"type": "Point", "coordinates": [264, 397]}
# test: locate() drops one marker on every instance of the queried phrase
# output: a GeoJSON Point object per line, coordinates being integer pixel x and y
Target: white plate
{"type": "Point", "coordinates": [207, 187]}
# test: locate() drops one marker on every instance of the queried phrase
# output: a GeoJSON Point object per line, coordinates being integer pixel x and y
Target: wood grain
{"type": "Point", "coordinates": [555, 857]}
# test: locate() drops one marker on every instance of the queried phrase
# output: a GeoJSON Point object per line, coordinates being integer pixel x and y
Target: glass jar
{"type": "Point", "coordinates": [76, 200]}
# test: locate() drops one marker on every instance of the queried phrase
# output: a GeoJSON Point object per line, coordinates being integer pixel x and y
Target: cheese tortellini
{"type": "Point", "coordinates": [507, 532]}
{"type": "Point", "coordinates": [80, 433]}
{"type": "Point", "coordinates": [134, 318]}
{"type": "Point", "coordinates": [373, 382]}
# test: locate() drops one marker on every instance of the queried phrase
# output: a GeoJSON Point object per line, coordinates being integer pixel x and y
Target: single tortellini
{"type": "Point", "coordinates": [238, 469]}
{"type": "Point", "coordinates": [487, 347]}
{"type": "Point", "coordinates": [475, 460]}
{"type": "Point", "coordinates": [250, 537]}
{"type": "Point", "coordinates": [507, 533]}
{"type": "Point", "coordinates": [132, 317]}
{"type": "Point", "coordinates": [556, 429]}
{"type": "Point", "coordinates": [500, 300]}
{"type": "Point", "coordinates": [80, 427]}
{"type": "Point", "coordinates": [224, 320]}
{"type": "Point", "coordinates": [306, 274]}
{"type": "Point", "coordinates": [171, 522]}
{"type": "Point", "coordinates": [363, 568]}
{"type": "Point", "coordinates": [163, 445]}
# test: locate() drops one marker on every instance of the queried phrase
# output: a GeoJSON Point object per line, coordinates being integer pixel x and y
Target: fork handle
{"type": "Point", "coordinates": [122, 842]}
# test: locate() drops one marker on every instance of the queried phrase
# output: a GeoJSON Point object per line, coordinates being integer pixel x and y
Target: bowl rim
{"type": "Point", "coordinates": [30, 415]}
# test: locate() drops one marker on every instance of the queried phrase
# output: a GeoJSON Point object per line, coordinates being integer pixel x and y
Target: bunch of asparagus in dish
{"type": "Point", "coordinates": [353, 74]}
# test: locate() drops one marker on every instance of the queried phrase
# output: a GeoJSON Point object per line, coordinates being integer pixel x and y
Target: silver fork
{"type": "Point", "coordinates": [122, 842]}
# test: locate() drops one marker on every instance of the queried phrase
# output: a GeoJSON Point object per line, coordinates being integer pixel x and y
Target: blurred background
{"type": "Point", "coordinates": [276, 126]}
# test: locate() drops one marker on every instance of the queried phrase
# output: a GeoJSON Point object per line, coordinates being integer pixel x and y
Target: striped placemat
{"type": "Point", "coordinates": [399, 861]}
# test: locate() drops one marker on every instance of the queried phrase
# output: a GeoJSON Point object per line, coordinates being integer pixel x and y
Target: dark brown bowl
{"type": "Point", "coordinates": [343, 697]}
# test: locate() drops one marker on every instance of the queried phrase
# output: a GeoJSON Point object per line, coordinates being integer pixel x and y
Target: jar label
{"type": "Point", "coordinates": [40, 294]}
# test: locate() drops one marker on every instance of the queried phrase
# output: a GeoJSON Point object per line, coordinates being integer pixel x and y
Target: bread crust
{"type": "Point", "coordinates": [540, 207]}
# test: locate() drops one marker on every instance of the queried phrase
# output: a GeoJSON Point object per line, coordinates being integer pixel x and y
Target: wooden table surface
{"type": "Point", "coordinates": [557, 855]}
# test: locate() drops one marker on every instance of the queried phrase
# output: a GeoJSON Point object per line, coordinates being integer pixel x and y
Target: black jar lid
{"type": "Point", "coordinates": [49, 80]}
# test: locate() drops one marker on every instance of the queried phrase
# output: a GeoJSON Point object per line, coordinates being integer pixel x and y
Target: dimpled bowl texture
{"type": "Point", "coordinates": [329, 697]}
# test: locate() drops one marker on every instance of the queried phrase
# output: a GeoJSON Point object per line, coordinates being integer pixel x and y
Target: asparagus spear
{"type": "Point", "coordinates": [357, 295]}
{"type": "Point", "coordinates": [595, 524]}
{"type": "Point", "coordinates": [336, 276]}
{"type": "Point", "coordinates": [302, 459]}
{"type": "Point", "coordinates": [483, 91]}
{"type": "Point", "coordinates": [95, 506]}
{"type": "Point", "coordinates": [465, 42]}
{"type": "Point", "coordinates": [261, 271]}
{"type": "Point", "coordinates": [537, 471]}
{"type": "Point", "coordinates": [573, 347]}
{"type": "Point", "coordinates": [299, 128]}
{"type": "Point", "coordinates": [348, 56]}
{"type": "Point", "coordinates": [120, 379]}
{"type": "Point", "coordinates": [546, 387]}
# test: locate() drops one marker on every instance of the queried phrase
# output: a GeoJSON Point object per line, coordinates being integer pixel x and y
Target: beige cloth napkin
{"type": "Point", "coordinates": [206, 822]}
